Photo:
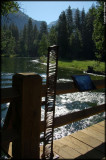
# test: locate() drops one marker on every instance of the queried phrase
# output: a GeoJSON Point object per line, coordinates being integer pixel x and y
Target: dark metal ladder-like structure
{"type": "Point", "coordinates": [52, 61]}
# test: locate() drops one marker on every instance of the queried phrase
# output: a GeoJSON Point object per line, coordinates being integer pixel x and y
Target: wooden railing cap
{"type": "Point", "coordinates": [27, 74]}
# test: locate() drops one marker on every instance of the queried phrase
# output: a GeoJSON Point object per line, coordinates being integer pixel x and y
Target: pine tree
{"type": "Point", "coordinates": [76, 45]}
{"type": "Point", "coordinates": [23, 42]}
{"type": "Point", "coordinates": [35, 41]}
{"type": "Point", "coordinates": [7, 43]}
{"type": "Point", "coordinates": [35, 32]}
{"type": "Point", "coordinates": [29, 37]}
{"type": "Point", "coordinates": [99, 32]}
{"type": "Point", "coordinates": [70, 27]}
{"type": "Point", "coordinates": [83, 32]}
{"type": "Point", "coordinates": [77, 19]}
{"type": "Point", "coordinates": [43, 29]}
{"type": "Point", "coordinates": [90, 46]}
{"type": "Point", "coordinates": [43, 46]}
{"type": "Point", "coordinates": [69, 20]}
{"type": "Point", "coordinates": [53, 36]}
{"type": "Point", "coordinates": [62, 35]}
{"type": "Point", "coordinates": [83, 22]}
{"type": "Point", "coordinates": [15, 33]}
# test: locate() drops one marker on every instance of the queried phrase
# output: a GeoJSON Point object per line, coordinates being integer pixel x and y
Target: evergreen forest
{"type": "Point", "coordinates": [79, 38]}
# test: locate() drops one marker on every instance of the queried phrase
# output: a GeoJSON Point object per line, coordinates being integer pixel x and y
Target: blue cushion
{"type": "Point", "coordinates": [83, 82]}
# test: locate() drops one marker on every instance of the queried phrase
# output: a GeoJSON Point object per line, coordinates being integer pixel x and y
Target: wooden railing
{"type": "Point", "coordinates": [23, 123]}
{"type": "Point", "coordinates": [7, 94]}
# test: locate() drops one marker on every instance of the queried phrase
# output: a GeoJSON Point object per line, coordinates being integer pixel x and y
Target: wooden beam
{"type": "Point", "coordinates": [70, 87]}
{"type": "Point", "coordinates": [29, 86]}
{"type": "Point", "coordinates": [99, 84]}
{"type": "Point", "coordinates": [75, 116]}
{"type": "Point", "coordinates": [7, 94]}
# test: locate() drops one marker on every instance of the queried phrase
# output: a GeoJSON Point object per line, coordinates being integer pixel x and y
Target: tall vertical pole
{"type": "Point", "coordinates": [28, 115]}
{"type": "Point", "coordinates": [50, 101]}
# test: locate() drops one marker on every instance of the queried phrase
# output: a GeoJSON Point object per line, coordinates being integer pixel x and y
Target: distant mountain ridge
{"type": "Point", "coordinates": [20, 19]}
{"type": "Point", "coordinates": [52, 24]}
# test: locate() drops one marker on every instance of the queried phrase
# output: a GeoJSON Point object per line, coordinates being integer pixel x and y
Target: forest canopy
{"type": "Point", "coordinates": [79, 37]}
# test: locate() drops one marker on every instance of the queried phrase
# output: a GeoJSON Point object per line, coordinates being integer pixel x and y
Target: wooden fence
{"type": "Point", "coordinates": [23, 125]}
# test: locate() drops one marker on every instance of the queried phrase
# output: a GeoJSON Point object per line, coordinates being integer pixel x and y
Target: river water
{"type": "Point", "coordinates": [71, 102]}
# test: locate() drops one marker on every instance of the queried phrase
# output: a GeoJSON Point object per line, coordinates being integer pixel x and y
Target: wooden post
{"type": "Point", "coordinates": [28, 112]}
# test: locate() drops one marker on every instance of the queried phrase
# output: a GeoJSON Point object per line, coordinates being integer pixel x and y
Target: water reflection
{"type": "Point", "coordinates": [16, 65]}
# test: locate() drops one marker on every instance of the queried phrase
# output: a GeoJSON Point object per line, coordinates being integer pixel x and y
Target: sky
{"type": "Point", "coordinates": [49, 11]}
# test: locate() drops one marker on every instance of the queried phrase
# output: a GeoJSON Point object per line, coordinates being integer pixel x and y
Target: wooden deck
{"type": "Point", "coordinates": [88, 143]}
{"type": "Point", "coordinates": [23, 125]}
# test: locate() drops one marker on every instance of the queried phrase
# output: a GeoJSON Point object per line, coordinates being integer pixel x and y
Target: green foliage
{"type": "Point", "coordinates": [78, 38]}
{"type": "Point", "coordinates": [83, 19]}
{"type": "Point", "coordinates": [76, 45]}
{"type": "Point", "coordinates": [35, 32]}
{"type": "Point", "coordinates": [23, 42]}
{"type": "Point", "coordinates": [98, 34]}
{"type": "Point", "coordinates": [9, 7]}
{"type": "Point", "coordinates": [52, 36]}
{"type": "Point", "coordinates": [43, 59]}
{"type": "Point", "coordinates": [77, 19]}
{"type": "Point", "coordinates": [89, 46]}
{"type": "Point", "coordinates": [43, 46]}
{"type": "Point", "coordinates": [62, 35]}
{"type": "Point", "coordinates": [15, 33]}
{"type": "Point", "coordinates": [98, 56]}
{"type": "Point", "coordinates": [69, 21]}
{"type": "Point", "coordinates": [43, 29]}
{"type": "Point", "coordinates": [29, 39]}
{"type": "Point", "coordinates": [7, 43]}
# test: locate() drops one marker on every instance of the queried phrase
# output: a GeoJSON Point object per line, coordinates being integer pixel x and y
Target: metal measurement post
{"type": "Point", "coordinates": [52, 61]}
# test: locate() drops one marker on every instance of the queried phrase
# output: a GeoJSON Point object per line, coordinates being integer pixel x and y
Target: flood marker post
{"type": "Point", "coordinates": [52, 61]}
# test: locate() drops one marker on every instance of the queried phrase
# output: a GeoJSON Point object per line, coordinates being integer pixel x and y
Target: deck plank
{"type": "Point", "coordinates": [65, 151]}
{"type": "Point", "coordinates": [75, 144]}
{"type": "Point", "coordinates": [89, 140]}
{"type": "Point", "coordinates": [88, 143]}
{"type": "Point", "coordinates": [90, 131]}
{"type": "Point", "coordinates": [99, 128]}
{"type": "Point", "coordinates": [80, 147]}
{"type": "Point", "coordinates": [102, 123]}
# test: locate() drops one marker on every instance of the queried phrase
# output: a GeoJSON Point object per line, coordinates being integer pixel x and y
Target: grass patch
{"type": "Point", "coordinates": [82, 65]}
{"type": "Point", "coordinates": [77, 67]}
{"type": "Point", "coordinates": [43, 59]}
{"type": "Point", "coordinates": [13, 55]}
